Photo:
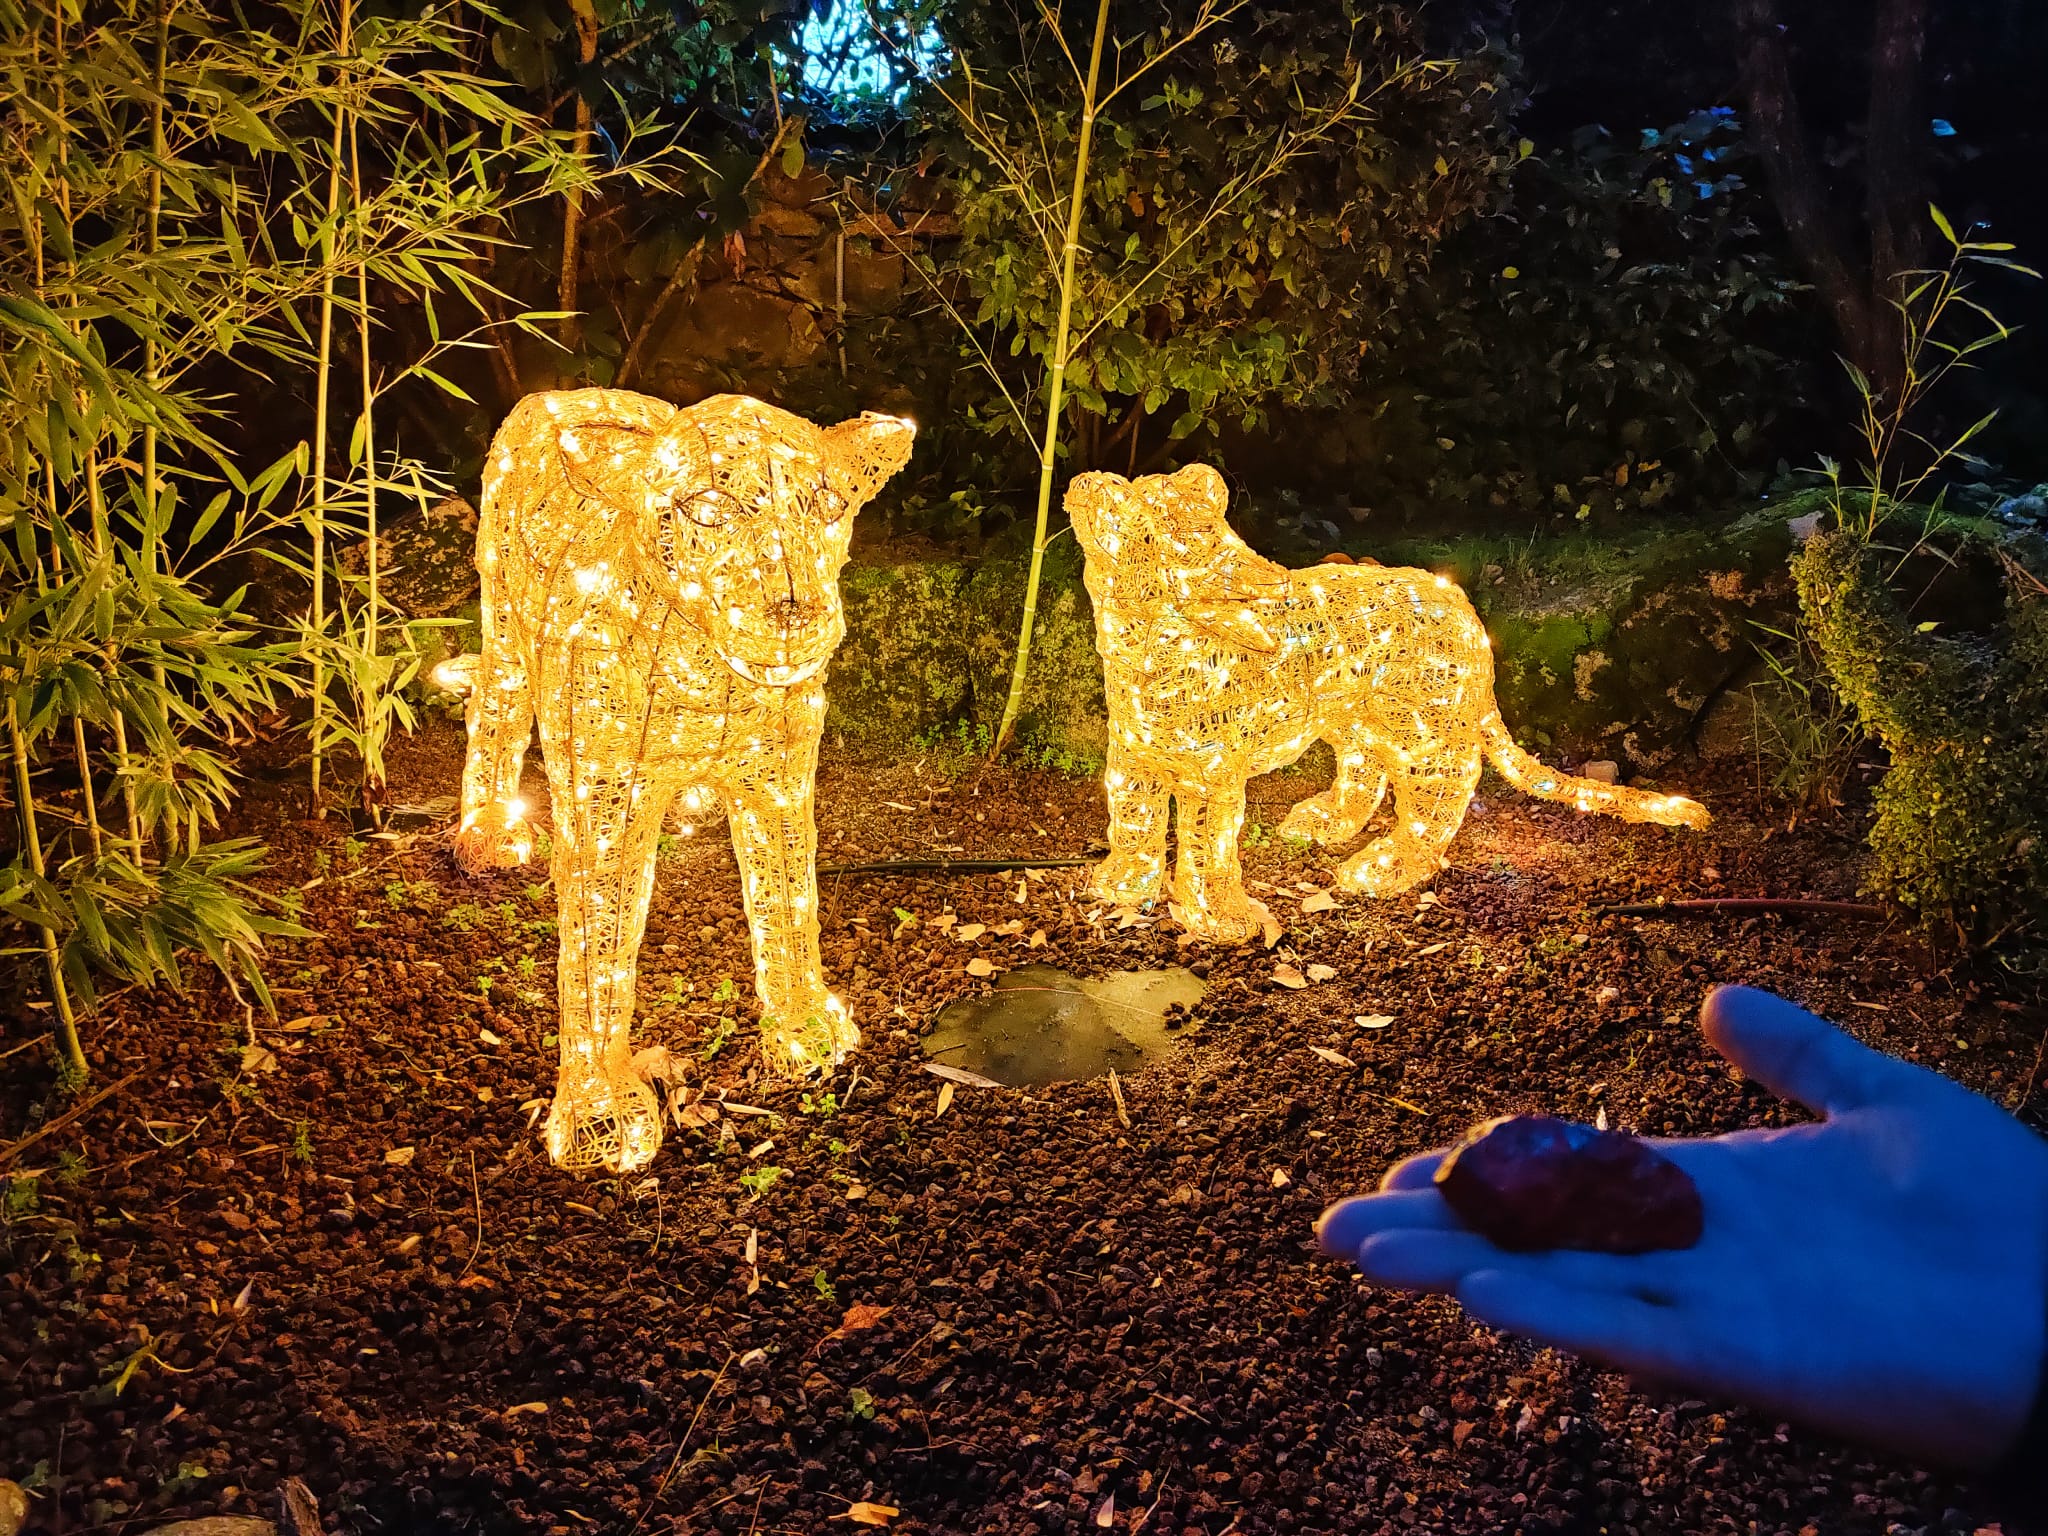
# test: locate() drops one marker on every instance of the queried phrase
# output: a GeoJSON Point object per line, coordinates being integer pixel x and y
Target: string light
{"type": "Point", "coordinates": [661, 592]}
{"type": "Point", "coordinates": [1221, 665]}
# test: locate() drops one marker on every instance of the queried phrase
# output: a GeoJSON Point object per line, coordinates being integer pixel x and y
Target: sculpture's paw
{"type": "Point", "coordinates": [821, 1039]}
{"type": "Point", "coordinates": [1316, 819]}
{"type": "Point", "coordinates": [599, 1123]}
{"type": "Point", "coordinates": [1127, 881]}
{"type": "Point", "coordinates": [1232, 918]}
{"type": "Point", "coordinates": [1387, 869]}
{"type": "Point", "coordinates": [494, 837]}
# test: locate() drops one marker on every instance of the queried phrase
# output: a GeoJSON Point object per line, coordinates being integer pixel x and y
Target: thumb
{"type": "Point", "coordinates": [1795, 1054]}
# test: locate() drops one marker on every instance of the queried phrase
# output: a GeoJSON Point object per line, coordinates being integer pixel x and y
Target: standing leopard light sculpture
{"type": "Point", "coordinates": [1220, 665]}
{"type": "Point", "coordinates": [661, 592]}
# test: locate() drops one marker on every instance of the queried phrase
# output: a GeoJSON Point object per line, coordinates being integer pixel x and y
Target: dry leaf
{"type": "Point", "coordinates": [305, 1021]}
{"type": "Point", "coordinates": [960, 1075]}
{"type": "Point", "coordinates": [1010, 929]}
{"type": "Point", "coordinates": [485, 1094]}
{"type": "Point", "coordinates": [980, 967]}
{"type": "Point", "coordinates": [488, 1038]}
{"type": "Point", "coordinates": [519, 1408]}
{"type": "Point", "coordinates": [580, 1208]}
{"type": "Point", "coordinates": [859, 1316]}
{"type": "Point", "coordinates": [898, 805]}
{"type": "Point", "coordinates": [399, 1157]}
{"type": "Point", "coordinates": [1288, 976]}
{"type": "Point", "coordinates": [864, 1513]}
{"type": "Point", "coordinates": [1431, 949]}
{"type": "Point", "coordinates": [1280, 1179]}
{"type": "Point", "coordinates": [945, 1100]}
{"type": "Point", "coordinates": [1321, 972]}
{"type": "Point", "coordinates": [971, 932]}
{"type": "Point", "coordinates": [1105, 1515]}
{"type": "Point", "coordinates": [1426, 899]}
{"type": "Point", "coordinates": [696, 1116]}
{"type": "Point", "coordinates": [1321, 901]}
{"type": "Point", "coordinates": [1037, 940]}
{"type": "Point", "coordinates": [1372, 1020]}
{"type": "Point", "coordinates": [409, 1244]}
{"type": "Point", "coordinates": [761, 1149]}
{"type": "Point", "coordinates": [1021, 888]}
{"type": "Point", "coordinates": [944, 921]}
{"type": "Point", "coordinates": [258, 1058]}
{"type": "Point", "coordinates": [1334, 1058]}
{"type": "Point", "coordinates": [1268, 922]}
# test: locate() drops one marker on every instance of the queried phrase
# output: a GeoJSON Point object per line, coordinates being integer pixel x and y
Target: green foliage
{"type": "Point", "coordinates": [1614, 338]}
{"type": "Point", "coordinates": [1254, 207]}
{"type": "Point", "coordinates": [1806, 734]}
{"type": "Point", "coordinates": [1961, 836]}
{"type": "Point", "coordinates": [760, 1180]}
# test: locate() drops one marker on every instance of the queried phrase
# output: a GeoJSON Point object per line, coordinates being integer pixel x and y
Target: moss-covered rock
{"type": "Point", "coordinates": [1616, 649]}
{"type": "Point", "coordinates": [1063, 706]}
{"type": "Point", "coordinates": [904, 665]}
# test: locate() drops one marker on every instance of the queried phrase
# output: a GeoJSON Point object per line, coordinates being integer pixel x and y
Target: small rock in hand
{"type": "Point", "coordinates": [1533, 1182]}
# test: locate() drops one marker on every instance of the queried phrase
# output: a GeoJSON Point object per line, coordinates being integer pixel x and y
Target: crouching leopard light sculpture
{"type": "Point", "coordinates": [661, 592]}
{"type": "Point", "coordinates": [1220, 665]}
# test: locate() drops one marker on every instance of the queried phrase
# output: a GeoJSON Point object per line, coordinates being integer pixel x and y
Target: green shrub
{"type": "Point", "coordinates": [1961, 836]}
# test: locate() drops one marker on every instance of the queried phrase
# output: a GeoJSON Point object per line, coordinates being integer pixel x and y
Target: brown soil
{"type": "Point", "coordinates": [1019, 1316]}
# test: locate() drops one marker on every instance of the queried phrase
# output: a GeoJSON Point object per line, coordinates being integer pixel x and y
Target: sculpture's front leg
{"type": "Point", "coordinates": [606, 828]}
{"type": "Point", "coordinates": [1208, 884]}
{"type": "Point", "coordinates": [769, 798]}
{"type": "Point", "coordinates": [1135, 871]}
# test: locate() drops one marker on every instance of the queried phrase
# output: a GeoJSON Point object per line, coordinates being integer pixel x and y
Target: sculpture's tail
{"type": "Point", "coordinates": [1532, 778]}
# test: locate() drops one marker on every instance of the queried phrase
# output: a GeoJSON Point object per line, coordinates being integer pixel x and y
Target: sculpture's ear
{"type": "Point", "coordinates": [863, 453]}
{"type": "Point", "coordinates": [609, 461]}
{"type": "Point", "coordinates": [1093, 501]}
{"type": "Point", "coordinates": [1230, 580]}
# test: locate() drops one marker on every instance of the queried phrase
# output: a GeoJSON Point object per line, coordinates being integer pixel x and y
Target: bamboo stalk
{"type": "Point", "coordinates": [31, 839]}
{"type": "Point", "coordinates": [152, 363]}
{"type": "Point", "coordinates": [372, 792]}
{"type": "Point", "coordinates": [323, 365]}
{"type": "Point", "coordinates": [567, 281]}
{"type": "Point", "coordinates": [1056, 385]}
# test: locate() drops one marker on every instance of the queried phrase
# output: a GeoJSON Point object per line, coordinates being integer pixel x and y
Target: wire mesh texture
{"type": "Point", "coordinates": [661, 594]}
{"type": "Point", "coordinates": [1221, 665]}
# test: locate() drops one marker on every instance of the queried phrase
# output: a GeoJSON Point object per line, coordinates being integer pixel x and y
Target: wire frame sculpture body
{"type": "Point", "coordinates": [1221, 665]}
{"type": "Point", "coordinates": [660, 593]}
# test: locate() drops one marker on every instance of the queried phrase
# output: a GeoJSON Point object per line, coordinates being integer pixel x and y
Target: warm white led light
{"type": "Point", "coordinates": [1221, 665]}
{"type": "Point", "coordinates": [660, 591]}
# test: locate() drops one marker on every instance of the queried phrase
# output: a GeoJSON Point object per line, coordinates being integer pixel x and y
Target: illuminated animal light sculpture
{"type": "Point", "coordinates": [661, 591]}
{"type": "Point", "coordinates": [1221, 665]}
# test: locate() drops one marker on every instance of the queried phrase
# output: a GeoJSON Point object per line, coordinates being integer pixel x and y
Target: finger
{"type": "Point", "coordinates": [1342, 1228]}
{"type": "Point", "coordinates": [1604, 1325]}
{"type": "Point", "coordinates": [1417, 1172]}
{"type": "Point", "coordinates": [1417, 1259]}
{"type": "Point", "coordinates": [1796, 1054]}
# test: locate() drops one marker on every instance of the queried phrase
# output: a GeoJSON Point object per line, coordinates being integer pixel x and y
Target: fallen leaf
{"type": "Point", "coordinates": [944, 921]}
{"type": "Point", "coordinates": [1268, 923]}
{"type": "Point", "coordinates": [1288, 976]}
{"type": "Point", "coordinates": [488, 1038]}
{"type": "Point", "coordinates": [399, 1157]}
{"type": "Point", "coordinates": [761, 1149]}
{"type": "Point", "coordinates": [1280, 1179]}
{"type": "Point", "coordinates": [945, 1100]}
{"type": "Point", "coordinates": [1426, 899]}
{"type": "Point", "coordinates": [753, 1245]}
{"type": "Point", "coordinates": [1321, 901]}
{"type": "Point", "coordinates": [971, 932]}
{"type": "Point", "coordinates": [409, 1244]}
{"type": "Point", "coordinates": [898, 805]}
{"type": "Point", "coordinates": [1105, 1514]}
{"type": "Point", "coordinates": [859, 1316]}
{"type": "Point", "coordinates": [1334, 1058]}
{"type": "Point", "coordinates": [696, 1116]}
{"type": "Point", "coordinates": [580, 1208]}
{"type": "Point", "coordinates": [1037, 940]}
{"type": "Point", "coordinates": [960, 1075]}
{"type": "Point", "coordinates": [1431, 949]}
{"type": "Point", "coordinates": [1372, 1020]}
{"type": "Point", "coordinates": [519, 1408]}
{"type": "Point", "coordinates": [485, 1095]}
{"type": "Point", "coordinates": [1010, 929]}
{"type": "Point", "coordinates": [1021, 888]}
{"type": "Point", "coordinates": [864, 1513]}
{"type": "Point", "coordinates": [1321, 972]}
{"type": "Point", "coordinates": [258, 1058]}
{"type": "Point", "coordinates": [306, 1021]}
{"type": "Point", "coordinates": [980, 967]}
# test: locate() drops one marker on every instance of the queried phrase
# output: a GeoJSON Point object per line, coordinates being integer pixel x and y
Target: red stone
{"type": "Point", "coordinates": [1533, 1182]}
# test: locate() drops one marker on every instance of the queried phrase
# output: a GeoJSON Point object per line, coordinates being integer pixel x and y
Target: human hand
{"type": "Point", "coordinates": [1882, 1274]}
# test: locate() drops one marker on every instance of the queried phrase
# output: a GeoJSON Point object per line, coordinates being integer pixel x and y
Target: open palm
{"type": "Point", "coordinates": [1882, 1273]}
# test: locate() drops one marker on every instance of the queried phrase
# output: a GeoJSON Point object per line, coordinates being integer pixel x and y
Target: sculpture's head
{"type": "Point", "coordinates": [1162, 541]}
{"type": "Point", "coordinates": [747, 511]}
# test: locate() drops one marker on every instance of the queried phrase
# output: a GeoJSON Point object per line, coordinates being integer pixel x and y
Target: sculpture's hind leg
{"type": "Point", "coordinates": [495, 832]}
{"type": "Point", "coordinates": [1208, 881]}
{"type": "Point", "coordinates": [1431, 793]}
{"type": "Point", "coordinates": [1340, 812]}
